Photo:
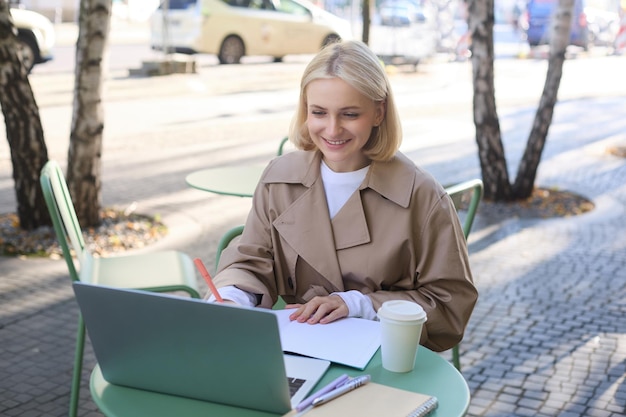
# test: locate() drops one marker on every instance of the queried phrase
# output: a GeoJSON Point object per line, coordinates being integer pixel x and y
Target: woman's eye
{"type": "Point", "coordinates": [351, 115]}
{"type": "Point", "coordinates": [317, 113]}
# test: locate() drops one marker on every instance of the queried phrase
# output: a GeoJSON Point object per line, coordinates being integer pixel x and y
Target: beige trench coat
{"type": "Point", "coordinates": [398, 237]}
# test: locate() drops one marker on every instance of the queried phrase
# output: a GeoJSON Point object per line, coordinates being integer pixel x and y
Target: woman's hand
{"type": "Point", "coordinates": [319, 310]}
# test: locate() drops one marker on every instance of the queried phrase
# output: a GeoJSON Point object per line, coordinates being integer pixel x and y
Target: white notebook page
{"type": "Point", "coordinates": [349, 341]}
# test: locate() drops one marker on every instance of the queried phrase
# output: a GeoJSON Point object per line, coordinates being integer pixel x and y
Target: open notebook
{"type": "Point", "coordinates": [191, 348]}
{"type": "Point", "coordinates": [349, 341]}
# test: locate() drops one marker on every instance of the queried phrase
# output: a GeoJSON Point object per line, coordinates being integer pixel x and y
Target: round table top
{"type": "Point", "coordinates": [239, 181]}
{"type": "Point", "coordinates": [433, 375]}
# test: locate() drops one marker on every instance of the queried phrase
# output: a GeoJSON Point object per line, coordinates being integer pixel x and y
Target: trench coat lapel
{"type": "Point", "coordinates": [349, 224]}
{"type": "Point", "coordinates": [306, 227]}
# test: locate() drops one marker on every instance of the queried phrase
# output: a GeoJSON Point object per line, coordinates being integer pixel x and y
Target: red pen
{"type": "Point", "coordinates": [207, 278]}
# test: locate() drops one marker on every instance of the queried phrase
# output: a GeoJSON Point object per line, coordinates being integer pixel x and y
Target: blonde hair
{"type": "Point", "coordinates": [355, 63]}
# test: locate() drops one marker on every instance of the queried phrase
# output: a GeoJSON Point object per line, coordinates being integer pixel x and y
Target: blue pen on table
{"type": "Point", "coordinates": [328, 388]}
{"type": "Point", "coordinates": [342, 389]}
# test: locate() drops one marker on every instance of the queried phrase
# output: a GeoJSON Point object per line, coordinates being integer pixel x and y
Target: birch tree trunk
{"type": "Point", "coordinates": [23, 128]}
{"type": "Point", "coordinates": [488, 136]}
{"type": "Point", "coordinates": [367, 8]}
{"type": "Point", "coordinates": [85, 151]}
{"type": "Point", "coordinates": [559, 40]}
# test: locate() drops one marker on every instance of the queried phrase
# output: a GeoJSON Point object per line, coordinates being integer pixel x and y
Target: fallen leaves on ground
{"type": "Point", "coordinates": [118, 232]}
{"type": "Point", "coordinates": [617, 151]}
{"type": "Point", "coordinates": [543, 203]}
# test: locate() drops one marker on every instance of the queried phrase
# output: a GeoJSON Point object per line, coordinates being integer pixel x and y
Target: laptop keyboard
{"type": "Point", "coordinates": [294, 385]}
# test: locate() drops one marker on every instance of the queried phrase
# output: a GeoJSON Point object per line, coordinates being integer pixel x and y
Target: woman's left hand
{"type": "Point", "coordinates": [319, 310]}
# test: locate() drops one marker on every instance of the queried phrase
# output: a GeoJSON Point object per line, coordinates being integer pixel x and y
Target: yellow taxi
{"type": "Point", "coordinates": [232, 29]}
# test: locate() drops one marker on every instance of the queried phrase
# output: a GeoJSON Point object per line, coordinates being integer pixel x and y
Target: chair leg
{"type": "Point", "coordinates": [78, 367]}
{"type": "Point", "coordinates": [456, 360]}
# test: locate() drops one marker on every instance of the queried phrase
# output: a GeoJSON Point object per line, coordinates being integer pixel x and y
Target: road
{"type": "Point", "coordinates": [254, 102]}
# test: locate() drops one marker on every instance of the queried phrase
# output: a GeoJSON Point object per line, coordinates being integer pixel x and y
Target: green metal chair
{"type": "Point", "coordinates": [281, 146]}
{"type": "Point", "coordinates": [164, 271]}
{"type": "Point", "coordinates": [457, 192]}
{"type": "Point", "coordinates": [225, 241]}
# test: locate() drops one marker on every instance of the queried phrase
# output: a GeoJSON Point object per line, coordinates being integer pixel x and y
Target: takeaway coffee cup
{"type": "Point", "coordinates": [401, 326]}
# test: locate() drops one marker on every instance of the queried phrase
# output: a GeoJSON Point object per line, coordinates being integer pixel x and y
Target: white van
{"type": "Point", "coordinates": [405, 31]}
{"type": "Point", "coordinates": [232, 29]}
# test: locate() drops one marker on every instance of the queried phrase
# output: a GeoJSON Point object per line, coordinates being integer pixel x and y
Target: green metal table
{"type": "Point", "coordinates": [433, 375]}
{"type": "Point", "coordinates": [239, 181]}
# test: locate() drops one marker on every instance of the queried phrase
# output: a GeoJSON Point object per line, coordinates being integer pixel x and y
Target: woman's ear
{"type": "Point", "coordinates": [381, 110]}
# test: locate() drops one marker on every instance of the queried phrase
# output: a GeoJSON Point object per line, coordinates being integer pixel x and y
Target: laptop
{"type": "Point", "coordinates": [188, 347]}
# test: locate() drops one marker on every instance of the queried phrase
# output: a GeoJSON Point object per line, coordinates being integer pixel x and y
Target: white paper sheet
{"type": "Point", "coordinates": [349, 341]}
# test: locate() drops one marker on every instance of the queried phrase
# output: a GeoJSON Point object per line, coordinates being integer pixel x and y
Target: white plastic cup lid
{"type": "Point", "coordinates": [402, 310]}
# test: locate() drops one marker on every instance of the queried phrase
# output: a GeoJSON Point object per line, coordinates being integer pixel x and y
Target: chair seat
{"type": "Point", "coordinates": [159, 271]}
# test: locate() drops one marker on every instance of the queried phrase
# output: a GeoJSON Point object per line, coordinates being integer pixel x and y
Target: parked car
{"type": "Point", "coordinates": [405, 31]}
{"type": "Point", "coordinates": [35, 35]}
{"type": "Point", "coordinates": [539, 15]}
{"type": "Point", "coordinates": [603, 26]}
{"type": "Point", "coordinates": [232, 29]}
{"type": "Point", "coordinates": [400, 13]}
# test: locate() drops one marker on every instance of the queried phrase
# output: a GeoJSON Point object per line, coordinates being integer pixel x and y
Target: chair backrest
{"type": "Point", "coordinates": [458, 191]}
{"type": "Point", "coordinates": [225, 241]}
{"type": "Point", "coordinates": [63, 215]}
{"type": "Point", "coordinates": [281, 146]}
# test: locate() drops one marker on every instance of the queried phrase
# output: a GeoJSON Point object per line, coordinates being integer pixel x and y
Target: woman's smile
{"type": "Point", "coordinates": [335, 142]}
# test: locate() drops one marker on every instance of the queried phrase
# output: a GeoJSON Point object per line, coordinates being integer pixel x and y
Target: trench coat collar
{"type": "Point", "coordinates": [306, 225]}
{"type": "Point", "coordinates": [394, 179]}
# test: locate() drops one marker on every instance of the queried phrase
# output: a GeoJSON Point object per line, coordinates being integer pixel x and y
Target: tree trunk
{"type": "Point", "coordinates": [559, 40]}
{"type": "Point", "coordinates": [488, 135]}
{"type": "Point", "coordinates": [23, 126]}
{"type": "Point", "coordinates": [85, 151]}
{"type": "Point", "coordinates": [367, 7]}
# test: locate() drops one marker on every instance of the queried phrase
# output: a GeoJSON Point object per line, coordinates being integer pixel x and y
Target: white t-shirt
{"type": "Point", "coordinates": [339, 186]}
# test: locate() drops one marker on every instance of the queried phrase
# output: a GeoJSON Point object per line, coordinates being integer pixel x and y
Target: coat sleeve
{"type": "Point", "coordinates": [442, 283]}
{"type": "Point", "coordinates": [249, 264]}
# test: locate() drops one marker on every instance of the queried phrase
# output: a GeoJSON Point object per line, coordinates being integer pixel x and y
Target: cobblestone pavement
{"type": "Point", "coordinates": [548, 335]}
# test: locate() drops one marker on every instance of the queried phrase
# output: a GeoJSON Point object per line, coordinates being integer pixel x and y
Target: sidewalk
{"type": "Point", "coordinates": [122, 32]}
{"type": "Point", "coordinates": [547, 337]}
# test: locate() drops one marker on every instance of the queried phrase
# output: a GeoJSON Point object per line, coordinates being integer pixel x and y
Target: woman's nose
{"type": "Point", "coordinates": [334, 127]}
